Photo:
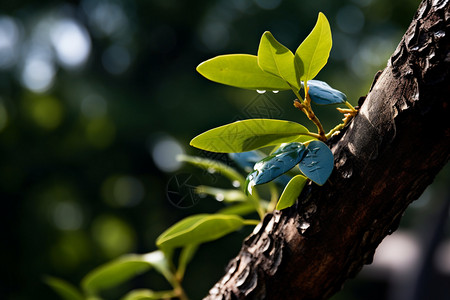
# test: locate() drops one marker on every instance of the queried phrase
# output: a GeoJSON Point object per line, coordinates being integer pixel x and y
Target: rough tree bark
{"type": "Point", "coordinates": [384, 160]}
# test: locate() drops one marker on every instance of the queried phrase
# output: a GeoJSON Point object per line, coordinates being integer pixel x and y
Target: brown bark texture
{"type": "Point", "coordinates": [384, 160]}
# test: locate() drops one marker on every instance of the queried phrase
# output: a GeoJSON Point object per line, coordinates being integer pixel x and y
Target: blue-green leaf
{"type": "Point", "coordinates": [246, 160]}
{"type": "Point", "coordinates": [323, 94]}
{"type": "Point", "coordinates": [291, 192]}
{"type": "Point", "coordinates": [281, 161]}
{"type": "Point", "coordinates": [318, 162]}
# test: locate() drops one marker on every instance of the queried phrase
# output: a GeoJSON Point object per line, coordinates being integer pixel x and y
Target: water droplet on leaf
{"type": "Point", "coordinates": [275, 92]}
{"type": "Point", "coordinates": [236, 183]}
{"type": "Point", "coordinates": [250, 187]}
{"type": "Point", "coordinates": [220, 197]}
{"type": "Point", "coordinates": [260, 91]}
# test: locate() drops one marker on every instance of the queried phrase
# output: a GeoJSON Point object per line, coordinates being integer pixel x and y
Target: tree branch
{"type": "Point", "coordinates": [384, 160]}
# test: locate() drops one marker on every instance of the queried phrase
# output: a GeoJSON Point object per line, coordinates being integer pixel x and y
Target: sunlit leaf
{"type": "Point", "coordinates": [323, 94]}
{"type": "Point", "coordinates": [304, 139]}
{"type": "Point", "coordinates": [247, 135]}
{"type": "Point", "coordinates": [64, 289]}
{"type": "Point", "coordinates": [291, 192]}
{"type": "Point", "coordinates": [281, 161]}
{"type": "Point", "coordinates": [118, 271]}
{"type": "Point", "coordinates": [240, 70]}
{"type": "Point", "coordinates": [160, 261]}
{"type": "Point", "coordinates": [213, 165]}
{"type": "Point", "coordinates": [199, 229]}
{"type": "Point", "coordinates": [318, 162]}
{"type": "Point", "coordinates": [312, 54]}
{"type": "Point", "coordinates": [222, 194]}
{"type": "Point", "coordinates": [276, 59]}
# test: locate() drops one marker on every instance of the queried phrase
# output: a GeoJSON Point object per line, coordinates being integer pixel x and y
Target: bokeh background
{"type": "Point", "coordinates": [97, 97]}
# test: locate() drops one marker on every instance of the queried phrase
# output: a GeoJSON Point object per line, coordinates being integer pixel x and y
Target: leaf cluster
{"type": "Point", "coordinates": [294, 156]}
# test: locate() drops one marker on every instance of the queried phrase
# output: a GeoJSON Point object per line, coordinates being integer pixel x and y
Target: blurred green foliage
{"type": "Point", "coordinates": [98, 96]}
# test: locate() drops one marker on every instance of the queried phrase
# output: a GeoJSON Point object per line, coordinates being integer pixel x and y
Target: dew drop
{"type": "Point", "coordinates": [275, 92]}
{"type": "Point", "coordinates": [260, 91]}
{"type": "Point", "coordinates": [250, 187]}
{"type": "Point", "coordinates": [211, 170]}
{"type": "Point", "coordinates": [220, 197]}
{"type": "Point", "coordinates": [236, 183]}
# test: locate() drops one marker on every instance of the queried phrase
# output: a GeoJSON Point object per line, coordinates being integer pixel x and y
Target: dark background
{"type": "Point", "coordinates": [98, 96]}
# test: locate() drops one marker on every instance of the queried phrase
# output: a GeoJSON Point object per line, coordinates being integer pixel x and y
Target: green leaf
{"type": "Point", "coordinates": [115, 272]}
{"type": "Point", "coordinates": [199, 229]}
{"type": "Point", "coordinates": [145, 294]}
{"type": "Point", "coordinates": [247, 135]}
{"type": "Point", "coordinates": [323, 94]}
{"type": "Point", "coordinates": [276, 59]}
{"type": "Point", "coordinates": [312, 54]}
{"type": "Point", "coordinates": [160, 261]}
{"type": "Point", "coordinates": [318, 162]}
{"type": "Point", "coordinates": [291, 192]}
{"type": "Point", "coordinates": [141, 295]}
{"type": "Point", "coordinates": [241, 209]}
{"type": "Point", "coordinates": [63, 288]}
{"type": "Point", "coordinates": [281, 161]}
{"type": "Point", "coordinates": [213, 165]}
{"type": "Point", "coordinates": [186, 255]}
{"type": "Point", "coordinates": [222, 194]}
{"type": "Point", "coordinates": [240, 70]}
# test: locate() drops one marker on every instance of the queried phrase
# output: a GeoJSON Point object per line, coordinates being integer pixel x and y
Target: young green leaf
{"type": "Point", "coordinates": [213, 165]}
{"type": "Point", "coordinates": [312, 54]}
{"type": "Point", "coordinates": [199, 229]}
{"type": "Point", "coordinates": [242, 71]}
{"type": "Point", "coordinates": [64, 289]}
{"type": "Point", "coordinates": [269, 168]}
{"type": "Point", "coordinates": [276, 59]}
{"type": "Point", "coordinates": [318, 162]}
{"type": "Point", "coordinates": [160, 261]}
{"type": "Point", "coordinates": [323, 94]}
{"type": "Point", "coordinates": [145, 294]}
{"type": "Point", "coordinates": [291, 192]}
{"type": "Point", "coordinates": [241, 209]}
{"type": "Point", "coordinates": [186, 255]}
{"type": "Point", "coordinates": [114, 273]}
{"type": "Point", "coordinates": [246, 135]}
